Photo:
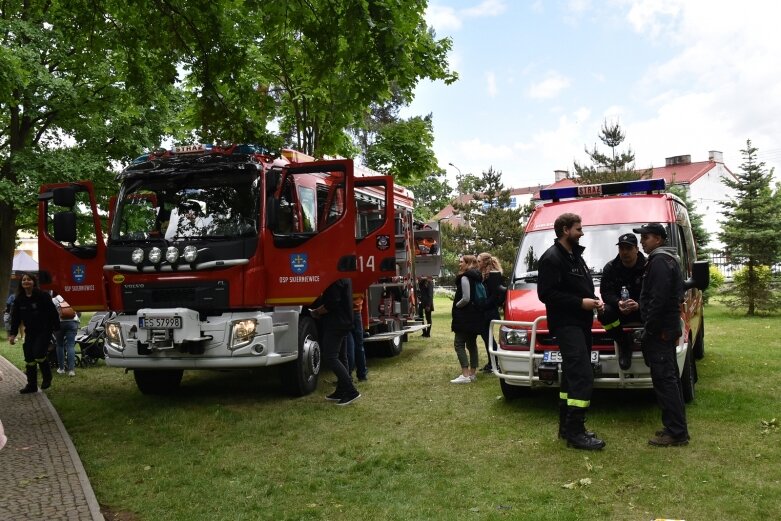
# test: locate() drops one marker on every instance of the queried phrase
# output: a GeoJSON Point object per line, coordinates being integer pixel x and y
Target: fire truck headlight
{"type": "Point", "coordinates": [242, 332]}
{"type": "Point", "coordinates": [172, 254]}
{"type": "Point", "coordinates": [137, 256]}
{"type": "Point", "coordinates": [155, 255]}
{"type": "Point", "coordinates": [190, 253]}
{"type": "Point", "coordinates": [514, 337]}
{"type": "Point", "coordinates": [114, 336]}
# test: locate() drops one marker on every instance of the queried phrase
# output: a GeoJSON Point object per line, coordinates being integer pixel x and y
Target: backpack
{"type": "Point", "coordinates": [65, 310]}
{"type": "Point", "coordinates": [481, 296]}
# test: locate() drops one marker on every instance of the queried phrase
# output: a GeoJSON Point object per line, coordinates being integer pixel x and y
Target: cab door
{"type": "Point", "coordinates": [71, 247]}
{"type": "Point", "coordinates": [374, 231]}
{"type": "Point", "coordinates": [309, 236]}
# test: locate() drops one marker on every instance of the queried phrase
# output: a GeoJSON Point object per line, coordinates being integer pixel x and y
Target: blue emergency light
{"type": "Point", "coordinates": [623, 187]}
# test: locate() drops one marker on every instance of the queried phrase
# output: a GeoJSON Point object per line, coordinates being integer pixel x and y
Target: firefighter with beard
{"type": "Point", "coordinates": [565, 287]}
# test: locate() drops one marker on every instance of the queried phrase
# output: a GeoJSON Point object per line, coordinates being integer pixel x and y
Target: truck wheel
{"type": "Point", "coordinates": [699, 345]}
{"type": "Point", "coordinates": [299, 378]}
{"type": "Point", "coordinates": [512, 392]}
{"type": "Point", "coordinates": [158, 382]}
{"type": "Point", "coordinates": [688, 377]}
{"type": "Point", "coordinates": [393, 346]}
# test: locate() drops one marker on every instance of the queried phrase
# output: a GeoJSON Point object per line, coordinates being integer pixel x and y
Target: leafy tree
{"type": "Point", "coordinates": [326, 62]}
{"type": "Point", "coordinates": [490, 224]}
{"type": "Point", "coordinates": [79, 88]}
{"type": "Point", "coordinates": [431, 195]}
{"type": "Point", "coordinates": [750, 231]}
{"type": "Point", "coordinates": [404, 149]}
{"type": "Point", "coordinates": [701, 235]}
{"type": "Point", "coordinates": [609, 168]}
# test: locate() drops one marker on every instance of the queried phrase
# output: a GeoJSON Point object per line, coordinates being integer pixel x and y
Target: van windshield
{"type": "Point", "coordinates": [599, 241]}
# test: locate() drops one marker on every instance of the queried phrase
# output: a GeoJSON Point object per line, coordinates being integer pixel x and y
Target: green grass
{"type": "Point", "coordinates": [417, 447]}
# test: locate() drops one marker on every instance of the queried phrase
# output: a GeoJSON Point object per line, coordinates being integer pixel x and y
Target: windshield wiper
{"type": "Point", "coordinates": [529, 276]}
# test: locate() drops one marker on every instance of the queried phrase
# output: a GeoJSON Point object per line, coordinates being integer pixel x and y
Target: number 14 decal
{"type": "Point", "coordinates": [366, 263]}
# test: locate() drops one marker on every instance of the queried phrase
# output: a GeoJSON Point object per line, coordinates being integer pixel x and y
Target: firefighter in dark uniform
{"type": "Point", "coordinates": [624, 271]}
{"type": "Point", "coordinates": [35, 309]}
{"type": "Point", "coordinates": [660, 303]}
{"type": "Point", "coordinates": [565, 286]}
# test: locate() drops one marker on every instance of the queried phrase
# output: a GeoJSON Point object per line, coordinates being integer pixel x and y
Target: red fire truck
{"type": "Point", "coordinates": [524, 353]}
{"type": "Point", "coordinates": [213, 255]}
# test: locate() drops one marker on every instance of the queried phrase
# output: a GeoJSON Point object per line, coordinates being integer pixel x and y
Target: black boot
{"type": "Point", "coordinates": [32, 380]}
{"type": "Point", "coordinates": [46, 374]}
{"type": "Point", "coordinates": [576, 431]}
{"type": "Point", "coordinates": [563, 422]}
{"type": "Point", "coordinates": [624, 351]}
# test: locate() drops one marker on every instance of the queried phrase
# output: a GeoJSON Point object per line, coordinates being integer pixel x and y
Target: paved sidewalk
{"type": "Point", "coordinates": [41, 475]}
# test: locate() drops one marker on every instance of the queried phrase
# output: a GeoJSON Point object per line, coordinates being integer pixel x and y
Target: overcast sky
{"type": "Point", "coordinates": [538, 78]}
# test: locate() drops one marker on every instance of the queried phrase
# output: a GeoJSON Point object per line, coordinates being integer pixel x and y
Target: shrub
{"type": "Point", "coordinates": [755, 296]}
{"type": "Point", "coordinates": [716, 280]}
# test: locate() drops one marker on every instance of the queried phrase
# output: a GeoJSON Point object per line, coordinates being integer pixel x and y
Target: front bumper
{"type": "Point", "coordinates": [526, 368]}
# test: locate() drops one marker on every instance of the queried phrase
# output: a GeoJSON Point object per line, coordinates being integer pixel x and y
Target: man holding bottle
{"type": "Point", "coordinates": [622, 280]}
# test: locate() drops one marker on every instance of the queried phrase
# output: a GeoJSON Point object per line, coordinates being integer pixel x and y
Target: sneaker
{"type": "Point", "coordinates": [350, 398]}
{"type": "Point", "coordinates": [71, 373]}
{"type": "Point", "coordinates": [334, 396]}
{"type": "Point", "coordinates": [665, 440]}
{"type": "Point", "coordinates": [487, 369]}
{"type": "Point", "coordinates": [461, 379]}
{"type": "Point", "coordinates": [473, 377]}
{"type": "Point", "coordinates": [60, 371]}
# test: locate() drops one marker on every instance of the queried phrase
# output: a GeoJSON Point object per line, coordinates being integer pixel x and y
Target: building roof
{"type": "Point", "coordinates": [680, 174]}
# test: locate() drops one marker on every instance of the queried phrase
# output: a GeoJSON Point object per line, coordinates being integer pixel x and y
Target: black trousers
{"type": "Point", "coordinates": [424, 312]}
{"type": "Point", "coordinates": [36, 345]}
{"type": "Point", "coordinates": [660, 356]}
{"type": "Point", "coordinates": [577, 375]}
{"type": "Point", "coordinates": [331, 346]}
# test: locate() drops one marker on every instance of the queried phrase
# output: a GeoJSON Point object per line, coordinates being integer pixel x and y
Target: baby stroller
{"type": "Point", "coordinates": [90, 339]}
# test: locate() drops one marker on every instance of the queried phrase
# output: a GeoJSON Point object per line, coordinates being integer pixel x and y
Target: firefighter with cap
{"type": "Point", "coordinates": [660, 302]}
{"type": "Point", "coordinates": [565, 286]}
{"type": "Point", "coordinates": [622, 280]}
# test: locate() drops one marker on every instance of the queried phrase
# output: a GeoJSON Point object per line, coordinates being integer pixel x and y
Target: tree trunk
{"type": "Point", "coordinates": [7, 246]}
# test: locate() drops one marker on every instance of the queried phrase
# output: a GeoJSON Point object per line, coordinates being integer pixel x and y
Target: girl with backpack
{"type": "Point", "coordinates": [491, 270]}
{"type": "Point", "coordinates": [467, 318]}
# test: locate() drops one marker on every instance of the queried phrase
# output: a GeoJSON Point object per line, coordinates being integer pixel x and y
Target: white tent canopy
{"type": "Point", "coordinates": [23, 262]}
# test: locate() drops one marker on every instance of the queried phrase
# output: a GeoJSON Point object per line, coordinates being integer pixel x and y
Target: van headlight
{"type": "Point", "coordinates": [114, 336]}
{"type": "Point", "coordinates": [242, 332]}
{"type": "Point", "coordinates": [514, 337]}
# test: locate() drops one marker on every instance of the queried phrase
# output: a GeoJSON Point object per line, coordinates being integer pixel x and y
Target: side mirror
{"type": "Point", "coordinates": [64, 196]}
{"type": "Point", "coordinates": [65, 227]}
{"type": "Point", "coordinates": [700, 276]}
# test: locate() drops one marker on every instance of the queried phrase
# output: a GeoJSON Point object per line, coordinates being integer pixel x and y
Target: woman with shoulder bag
{"type": "Point", "coordinates": [491, 269]}
{"type": "Point", "coordinates": [467, 319]}
{"type": "Point", "coordinates": [66, 336]}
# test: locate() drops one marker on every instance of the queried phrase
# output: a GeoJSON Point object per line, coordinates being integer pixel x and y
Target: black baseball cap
{"type": "Point", "coordinates": [655, 228]}
{"type": "Point", "coordinates": [627, 238]}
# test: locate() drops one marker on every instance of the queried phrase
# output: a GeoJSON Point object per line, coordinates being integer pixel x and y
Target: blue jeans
{"type": "Point", "coordinates": [356, 356]}
{"type": "Point", "coordinates": [66, 342]}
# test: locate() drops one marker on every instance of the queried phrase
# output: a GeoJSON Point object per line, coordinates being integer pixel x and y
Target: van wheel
{"type": "Point", "coordinates": [699, 345]}
{"type": "Point", "coordinates": [299, 378]}
{"type": "Point", "coordinates": [158, 382]}
{"type": "Point", "coordinates": [512, 392]}
{"type": "Point", "coordinates": [688, 378]}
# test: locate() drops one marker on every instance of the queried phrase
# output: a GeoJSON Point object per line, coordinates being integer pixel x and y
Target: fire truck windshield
{"type": "Point", "coordinates": [203, 206]}
{"type": "Point", "coordinates": [599, 241]}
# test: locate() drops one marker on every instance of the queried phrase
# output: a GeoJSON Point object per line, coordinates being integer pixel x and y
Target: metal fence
{"type": "Point", "coordinates": [727, 267]}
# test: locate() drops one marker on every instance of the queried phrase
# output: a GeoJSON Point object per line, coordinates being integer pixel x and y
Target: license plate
{"type": "Point", "coordinates": [554, 357]}
{"type": "Point", "coordinates": [160, 322]}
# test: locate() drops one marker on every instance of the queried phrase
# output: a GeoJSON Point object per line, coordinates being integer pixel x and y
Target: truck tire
{"type": "Point", "coordinates": [688, 377]}
{"type": "Point", "coordinates": [158, 382]}
{"type": "Point", "coordinates": [394, 346]}
{"type": "Point", "coordinates": [699, 344]}
{"type": "Point", "coordinates": [299, 378]}
{"type": "Point", "coordinates": [512, 392]}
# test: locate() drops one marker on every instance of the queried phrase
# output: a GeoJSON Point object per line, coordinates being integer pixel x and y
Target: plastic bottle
{"type": "Point", "coordinates": [624, 293]}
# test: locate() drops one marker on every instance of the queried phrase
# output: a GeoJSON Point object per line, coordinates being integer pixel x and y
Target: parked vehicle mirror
{"type": "Point", "coordinates": [64, 196]}
{"type": "Point", "coordinates": [65, 227]}
{"type": "Point", "coordinates": [700, 276]}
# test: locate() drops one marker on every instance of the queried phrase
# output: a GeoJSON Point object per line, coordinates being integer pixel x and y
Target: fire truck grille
{"type": "Point", "coordinates": [201, 295]}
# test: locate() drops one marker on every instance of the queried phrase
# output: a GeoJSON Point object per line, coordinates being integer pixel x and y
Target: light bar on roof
{"type": "Point", "coordinates": [620, 188]}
